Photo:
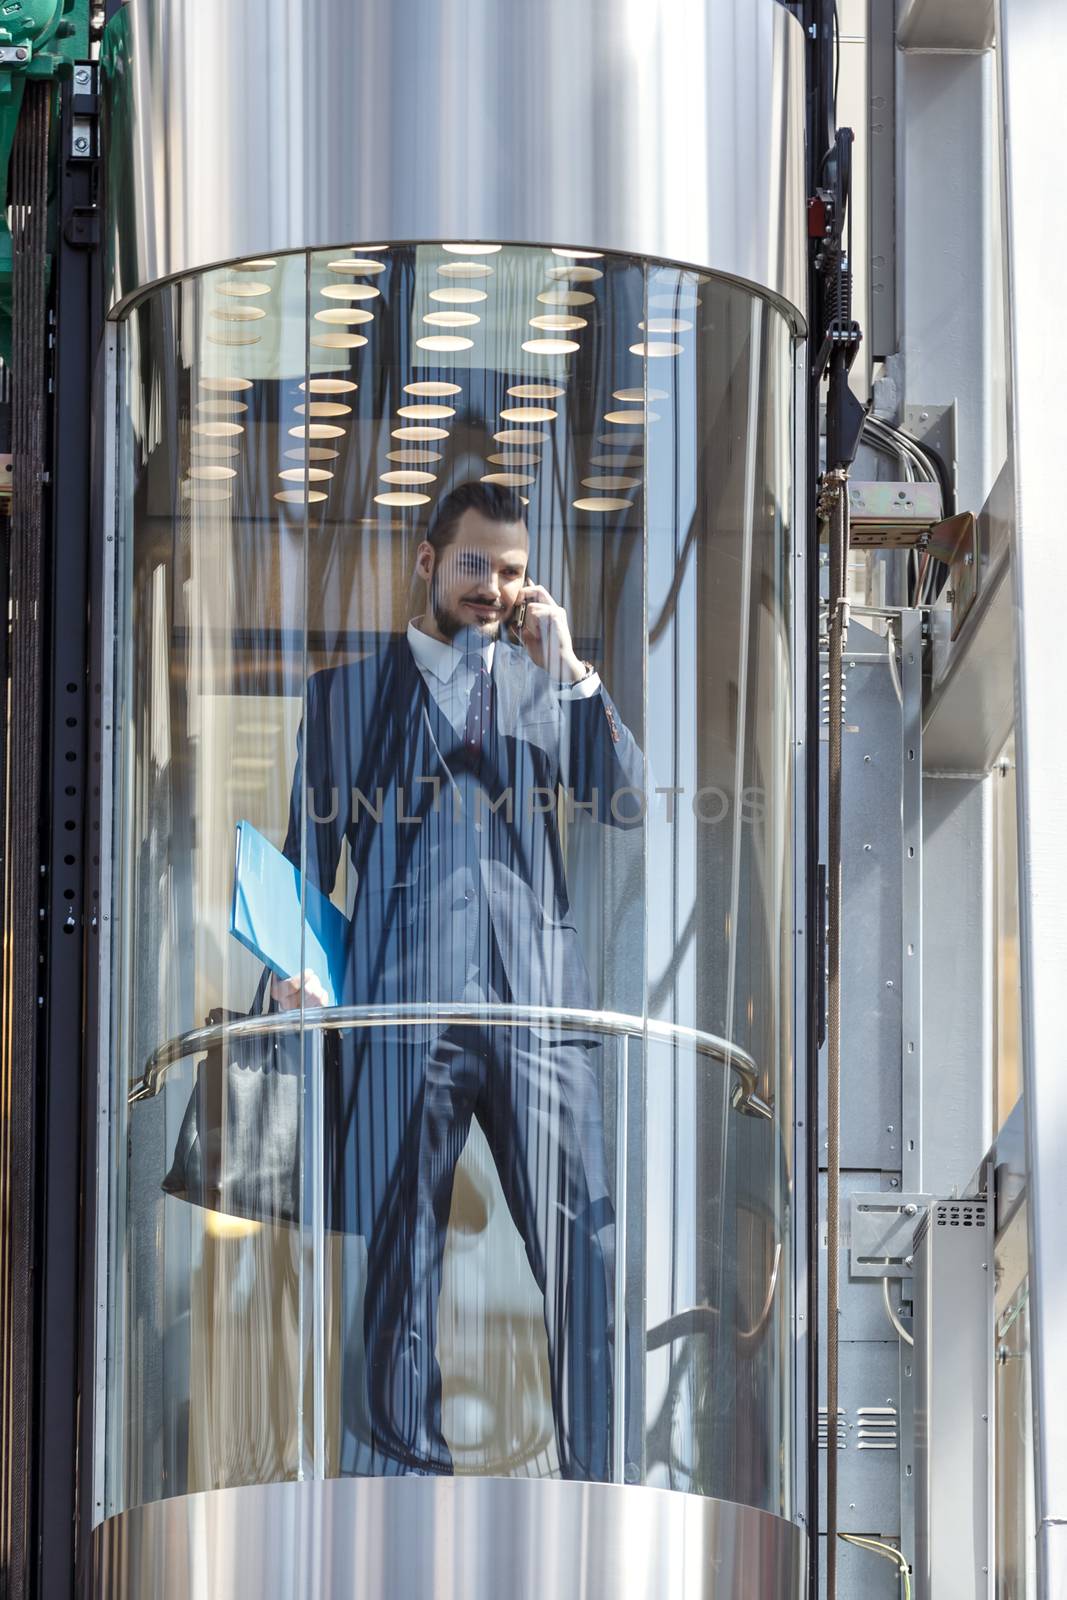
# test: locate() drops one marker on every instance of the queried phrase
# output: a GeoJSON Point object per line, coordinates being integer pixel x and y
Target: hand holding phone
{"type": "Point", "coordinates": [541, 627]}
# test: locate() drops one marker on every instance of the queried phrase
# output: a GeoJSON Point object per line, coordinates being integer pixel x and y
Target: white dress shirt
{"type": "Point", "coordinates": [449, 677]}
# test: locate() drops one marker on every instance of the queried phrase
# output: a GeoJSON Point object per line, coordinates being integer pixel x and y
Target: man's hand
{"type": "Point", "coordinates": [289, 993]}
{"type": "Point", "coordinates": [546, 634]}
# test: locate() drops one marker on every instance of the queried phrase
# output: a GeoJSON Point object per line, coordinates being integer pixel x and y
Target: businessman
{"type": "Point", "coordinates": [443, 760]}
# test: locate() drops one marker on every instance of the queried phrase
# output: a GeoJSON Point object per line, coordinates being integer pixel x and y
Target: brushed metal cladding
{"type": "Point", "coordinates": [662, 128]}
{"type": "Point", "coordinates": [428, 1538]}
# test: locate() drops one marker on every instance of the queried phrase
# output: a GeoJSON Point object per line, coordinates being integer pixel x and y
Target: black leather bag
{"type": "Point", "coordinates": [238, 1149]}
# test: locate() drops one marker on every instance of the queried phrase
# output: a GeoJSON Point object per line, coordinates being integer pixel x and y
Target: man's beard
{"type": "Point", "coordinates": [450, 622]}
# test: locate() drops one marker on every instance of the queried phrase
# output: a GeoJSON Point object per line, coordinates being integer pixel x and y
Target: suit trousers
{"type": "Point", "coordinates": [398, 1113]}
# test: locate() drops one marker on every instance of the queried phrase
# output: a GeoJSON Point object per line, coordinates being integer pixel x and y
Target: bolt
{"type": "Point", "coordinates": [868, 847]}
{"type": "Point", "coordinates": [81, 76]}
{"type": "Point", "coordinates": [894, 1183]}
{"type": "Point", "coordinates": [924, 416]}
{"type": "Point", "coordinates": [20, 55]}
{"type": "Point", "coordinates": [907, 1262]}
{"type": "Point", "coordinates": [889, 983]}
{"type": "Point", "coordinates": [910, 1209]}
{"type": "Point", "coordinates": [81, 144]}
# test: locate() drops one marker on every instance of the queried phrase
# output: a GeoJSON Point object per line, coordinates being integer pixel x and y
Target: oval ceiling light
{"type": "Point", "coordinates": [360, 266]}
{"type": "Point", "coordinates": [305, 474]}
{"type": "Point", "coordinates": [238, 313]}
{"type": "Point", "coordinates": [472, 249]}
{"type": "Point", "coordinates": [257, 264]}
{"type": "Point", "coordinates": [631, 419]}
{"type": "Point", "coordinates": [622, 440]}
{"type": "Point", "coordinates": [214, 447]}
{"type": "Point", "coordinates": [243, 291]}
{"type": "Point", "coordinates": [431, 386]}
{"type": "Point", "coordinates": [536, 391]}
{"type": "Point", "coordinates": [350, 291]}
{"type": "Point", "coordinates": [426, 410]}
{"type": "Point", "coordinates": [218, 430]}
{"type": "Point", "coordinates": [521, 436]}
{"type": "Point", "coordinates": [233, 338]}
{"type": "Point", "coordinates": [324, 408]}
{"type": "Point", "coordinates": [338, 341]}
{"type": "Point", "coordinates": [639, 396]}
{"type": "Point", "coordinates": [329, 386]}
{"type": "Point", "coordinates": [210, 472]}
{"type": "Point", "coordinates": [451, 319]}
{"type": "Point", "coordinates": [225, 385]}
{"type": "Point", "coordinates": [465, 269]}
{"type": "Point", "coordinates": [610, 481]}
{"type": "Point", "coordinates": [408, 475]}
{"type": "Point", "coordinates": [417, 432]}
{"type": "Point", "coordinates": [559, 322]}
{"type": "Point", "coordinates": [509, 480]}
{"type": "Point", "coordinates": [444, 341]}
{"type": "Point", "coordinates": [550, 347]}
{"type": "Point", "coordinates": [412, 455]}
{"type": "Point", "coordinates": [565, 297]}
{"type": "Point", "coordinates": [401, 497]}
{"type": "Point", "coordinates": [665, 325]}
{"type": "Point", "coordinates": [457, 295]}
{"type": "Point", "coordinates": [577, 255]}
{"type": "Point", "coordinates": [516, 458]}
{"type": "Point", "coordinates": [206, 491]}
{"type": "Point", "coordinates": [601, 503]}
{"type": "Point", "coordinates": [316, 430]}
{"type": "Point", "coordinates": [312, 452]}
{"type": "Point", "coordinates": [299, 497]}
{"type": "Point", "coordinates": [528, 414]}
{"type": "Point", "coordinates": [575, 274]}
{"type": "Point", "coordinates": [221, 408]}
{"type": "Point", "coordinates": [656, 348]}
{"type": "Point", "coordinates": [345, 316]}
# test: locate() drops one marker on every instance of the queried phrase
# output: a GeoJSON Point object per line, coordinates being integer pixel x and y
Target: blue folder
{"type": "Point", "coordinates": [266, 915]}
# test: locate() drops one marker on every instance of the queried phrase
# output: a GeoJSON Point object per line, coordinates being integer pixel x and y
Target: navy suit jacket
{"type": "Point", "coordinates": [458, 861]}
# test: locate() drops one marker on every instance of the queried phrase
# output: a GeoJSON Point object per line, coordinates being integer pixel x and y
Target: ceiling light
{"type": "Point", "coordinates": [639, 396]}
{"type": "Point", "coordinates": [528, 413]}
{"type": "Point", "coordinates": [575, 274]}
{"type": "Point", "coordinates": [559, 322]}
{"type": "Point", "coordinates": [451, 319]}
{"type": "Point", "coordinates": [212, 473]}
{"type": "Point", "coordinates": [601, 503]}
{"type": "Point", "coordinates": [536, 391]}
{"type": "Point", "coordinates": [578, 255]}
{"type": "Point", "coordinates": [361, 266]}
{"type": "Point", "coordinates": [225, 385]}
{"type": "Point", "coordinates": [344, 315]}
{"type": "Point", "coordinates": [408, 475]}
{"type": "Point", "coordinates": [465, 269]}
{"type": "Point", "coordinates": [472, 249]}
{"type": "Point", "coordinates": [665, 325]}
{"type": "Point", "coordinates": [329, 386]}
{"type": "Point", "coordinates": [312, 452]}
{"type": "Point", "coordinates": [656, 348]}
{"type": "Point", "coordinates": [413, 454]}
{"type": "Point", "coordinates": [246, 291]}
{"type": "Point", "coordinates": [509, 480]}
{"type": "Point", "coordinates": [444, 341]}
{"type": "Point", "coordinates": [206, 491]}
{"type": "Point", "coordinates": [459, 296]}
{"type": "Point", "coordinates": [610, 481]}
{"type": "Point", "coordinates": [213, 447]}
{"type": "Point", "coordinates": [419, 432]}
{"type": "Point", "coordinates": [323, 408]}
{"type": "Point", "coordinates": [430, 386]}
{"type": "Point", "coordinates": [316, 430]}
{"type": "Point", "coordinates": [233, 338]}
{"type": "Point", "coordinates": [299, 497]}
{"type": "Point", "coordinates": [550, 347]}
{"type": "Point", "coordinates": [338, 341]}
{"type": "Point", "coordinates": [350, 291]}
{"type": "Point", "coordinates": [516, 458]}
{"type": "Point", "coordinates": [565, 297]}
{"type": "Point", "coordinates": [257, 264]}
{"type": "Point", "coordinates": [238, 313]}
{"type": "Point", "coordinates": [305, 474]}
{"type": "Point", "coordinates": [521, 436]}
{"type": "Point", "coordinates": [401, 497]}
{"type": "Point", "coordinates": [221, 408]}
{"type": "Point", "coordinates": [634, 418]}
{"type": "Point", "coordinates": [218, 430]}
{"type": "Point", "coordinates": [425, 410]}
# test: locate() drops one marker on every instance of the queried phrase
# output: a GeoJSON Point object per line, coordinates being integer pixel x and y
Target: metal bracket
{"type": "Point", "coordinates": [881, 1229]}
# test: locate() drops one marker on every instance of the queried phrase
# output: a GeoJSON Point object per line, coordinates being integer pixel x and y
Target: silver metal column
{"type": "Point", "coordinates": [436, 1538]}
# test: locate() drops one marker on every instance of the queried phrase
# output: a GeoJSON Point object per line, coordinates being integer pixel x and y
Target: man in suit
{"type": "Point", "coordinates": [442, 761]}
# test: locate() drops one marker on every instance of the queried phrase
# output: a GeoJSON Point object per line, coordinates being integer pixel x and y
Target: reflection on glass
{"type": "Point", "coordinates": [491, 654]}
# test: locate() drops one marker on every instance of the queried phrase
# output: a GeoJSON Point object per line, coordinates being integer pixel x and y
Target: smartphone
{"type": "Point", "coordinates": [518, 617]}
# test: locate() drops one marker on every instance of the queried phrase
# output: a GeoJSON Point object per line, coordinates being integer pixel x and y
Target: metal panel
{"type": "Point", "coordinates": [665, 128]}
{"type": "Point", "coordinates": [434, 1538]}
{"type": "Point", "coordinates": [882, 177]}
{"type": "Point", "coordinates": [1032, 37]}
{"type": "Point", "coordinates": [946, 25]}
{"type": "Point", "coordinates": [953, 1401]}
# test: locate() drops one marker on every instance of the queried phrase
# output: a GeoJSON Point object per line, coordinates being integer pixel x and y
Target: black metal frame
{"type": "Point", "coordinates": [69, 845]}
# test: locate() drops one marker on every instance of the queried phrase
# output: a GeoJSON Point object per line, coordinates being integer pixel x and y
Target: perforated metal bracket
{"type": "Point", "coordinates": [882, 1230]}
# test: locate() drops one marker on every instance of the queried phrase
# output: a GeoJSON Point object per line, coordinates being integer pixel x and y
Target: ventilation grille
{"type": "Point", "coordinates": [877, 1428]}
{"type": "Point", "coordinates": [842, 1428]}
{"type": "Point", "coordinates": [960, 1214]}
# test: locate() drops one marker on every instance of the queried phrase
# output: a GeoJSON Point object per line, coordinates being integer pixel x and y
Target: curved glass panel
{"type": "Point", "coordinates": [451, 1069]}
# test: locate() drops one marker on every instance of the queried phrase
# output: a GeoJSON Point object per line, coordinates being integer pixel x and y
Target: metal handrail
{"type": "Point", "coordinates": [335, 1018]}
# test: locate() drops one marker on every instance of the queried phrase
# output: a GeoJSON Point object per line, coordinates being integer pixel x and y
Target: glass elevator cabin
{"type": "Point", "coordinates": [448, 1190]}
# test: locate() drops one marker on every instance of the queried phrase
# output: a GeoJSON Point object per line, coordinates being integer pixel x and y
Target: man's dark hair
{"type": "Point", "coordinates": [490, 500]}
